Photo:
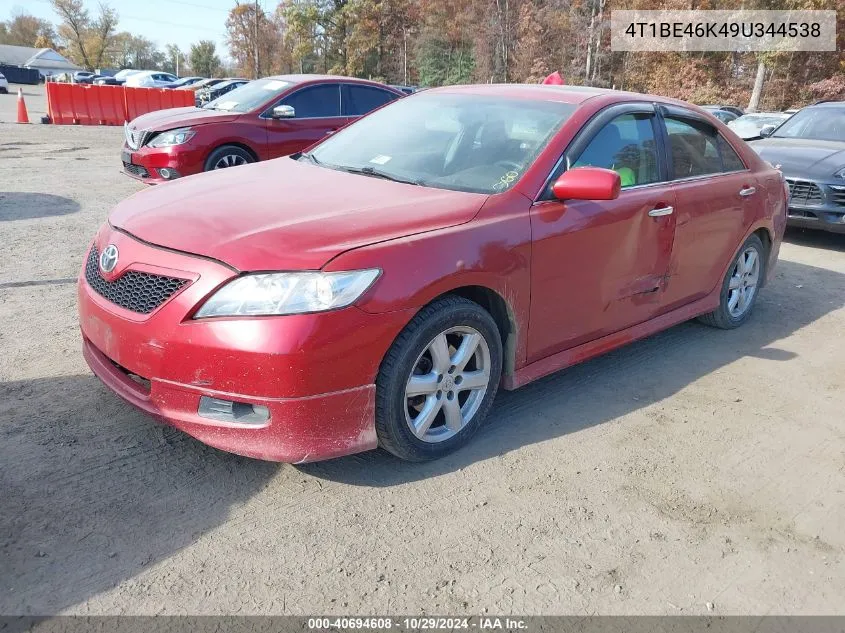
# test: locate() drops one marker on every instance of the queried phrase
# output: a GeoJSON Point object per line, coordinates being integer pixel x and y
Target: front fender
{"type": "Point", "coordinates": [492, 251]}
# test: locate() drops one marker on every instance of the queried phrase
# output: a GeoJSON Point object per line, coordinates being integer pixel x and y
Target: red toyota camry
{"type": "Point", "coordinates": [378, 289]}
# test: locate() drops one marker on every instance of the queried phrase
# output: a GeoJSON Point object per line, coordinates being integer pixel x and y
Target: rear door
{"type": "Point", "coordinates": [717, 199]}
{"type": "Point", "coordinates": [318, 113]}
{"type": "Point", "coordinates": [600, 266]}
{"type": "Point", "coordinates": [358, 100]}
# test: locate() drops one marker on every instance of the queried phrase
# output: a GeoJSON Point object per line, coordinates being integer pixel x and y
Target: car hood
{"type": "Point", "coordinates": [171, 118]}
{"type": "Point", "coordinates": [286, 215]}
{"type": "Point", "coordinates": [798, 157]}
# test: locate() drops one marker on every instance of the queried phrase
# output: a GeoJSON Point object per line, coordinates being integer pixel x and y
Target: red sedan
{"type": "Point", "coordinates": [379, 289]}
{"type": "Point", "coordinates": [262, 119]}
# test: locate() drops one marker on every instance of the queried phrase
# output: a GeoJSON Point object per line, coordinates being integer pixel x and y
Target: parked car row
{"type": "Point", "coordinates": [210, 93]}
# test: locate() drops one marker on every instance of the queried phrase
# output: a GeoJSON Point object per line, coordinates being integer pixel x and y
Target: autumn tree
{"type": "Point", "coordinates": [204, 59]}
{"type": "Point", "coordinates": [27, 30]}
{"type": "Point", "coordinates": [253, 39]}
{"type": "Point", "coordinates": [86, 39]}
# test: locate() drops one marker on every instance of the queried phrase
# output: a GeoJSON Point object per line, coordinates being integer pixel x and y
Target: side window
{"type": "Point", "coordinates": [730, 160]}
{"type": "Point", "coordinates": [315, 101]}
{"type": "Point", "coordinates": [627, 146]}
{"type": "Point", "coordinates": [693, 147]}
{"type": "Point", "coordinates": [358, 100]}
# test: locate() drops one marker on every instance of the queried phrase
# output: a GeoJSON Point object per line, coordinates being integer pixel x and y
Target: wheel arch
{"type": "Point", "coordinates": [238, 144]}
{"type": "Point", "coordinates": [501, 311]}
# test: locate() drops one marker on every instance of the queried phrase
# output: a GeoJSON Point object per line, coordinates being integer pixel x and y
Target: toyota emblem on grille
{"type": "Point", "coordinates": [108, 258]}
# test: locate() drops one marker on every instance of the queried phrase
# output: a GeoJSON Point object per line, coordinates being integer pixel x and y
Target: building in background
{"type": "Point", "coordinates": [45, 60]}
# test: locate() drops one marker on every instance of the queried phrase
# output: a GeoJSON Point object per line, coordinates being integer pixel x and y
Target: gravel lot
{"type": "Point", "coordinates": [695, 471]}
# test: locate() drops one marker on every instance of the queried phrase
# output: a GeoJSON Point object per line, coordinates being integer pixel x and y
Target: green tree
{"type": "Point", "coordinates": [174, 60]}
{"type": "Point", "coordinates": [204, 59]}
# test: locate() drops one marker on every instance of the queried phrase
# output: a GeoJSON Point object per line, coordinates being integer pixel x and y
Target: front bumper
{"type": "Point", "coordinates": [145, 163]}
{"type": "Point", "coordinates": [816, 204]}
{"type": "Point", "coordinates": [315, 374]}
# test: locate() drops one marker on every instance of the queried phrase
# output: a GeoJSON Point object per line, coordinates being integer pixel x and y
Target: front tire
{"type": "Point", "coordinates": [228, 156]}
{"type": "Point", "coordinates": [438, 380]}
{"type": "Point", "coordinates": [740, 286]}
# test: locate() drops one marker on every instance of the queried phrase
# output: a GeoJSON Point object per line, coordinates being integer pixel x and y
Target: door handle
{"type": "Point", "coordinates": [747, 191]}
{"type": "Point", "coordinates": [661, 211]}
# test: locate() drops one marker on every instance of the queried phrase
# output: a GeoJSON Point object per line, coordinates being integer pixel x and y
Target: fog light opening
{"type": "Point", "coordinates": [167, 173]}
{"type": "Point", "coordinates": [234, 412]}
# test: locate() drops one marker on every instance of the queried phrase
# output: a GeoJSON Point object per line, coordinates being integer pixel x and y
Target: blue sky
{"type": "Point", "coordinates": [179, 22]}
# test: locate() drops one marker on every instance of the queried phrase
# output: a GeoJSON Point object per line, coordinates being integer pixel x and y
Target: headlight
{"type": "Point", "coordinates": [840, 173]}
{"type": "Point", "coordinates": [287, 293]}
{"type": "Point", "coordinates": [172, 137]}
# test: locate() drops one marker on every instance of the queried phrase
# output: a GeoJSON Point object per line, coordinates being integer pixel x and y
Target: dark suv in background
{"type": "Point", "coordinates": [809, 149]}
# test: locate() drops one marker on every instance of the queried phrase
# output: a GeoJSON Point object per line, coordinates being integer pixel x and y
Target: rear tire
{"type": "Point", "coordinates": [438, 380]}
{"type": "Point", "coordinates": [228, 156]}
{"type": "Point", "coordinates": [740, 286]}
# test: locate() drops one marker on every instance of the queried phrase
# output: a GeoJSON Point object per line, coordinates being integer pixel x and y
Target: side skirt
{"type": "Point", "coordinates": [586, 351]}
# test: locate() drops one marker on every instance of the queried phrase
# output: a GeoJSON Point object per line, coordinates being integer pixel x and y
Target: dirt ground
{"type": "Point", "coordinates": [694, 472]}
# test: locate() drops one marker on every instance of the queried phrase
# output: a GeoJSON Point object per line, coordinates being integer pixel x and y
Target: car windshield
{"type": "Point", "coordinates": [824, 124]}
{"type": "Point", "coordinates": [249, 96]}
{"type": "Point", "coordinates": [460, 142]}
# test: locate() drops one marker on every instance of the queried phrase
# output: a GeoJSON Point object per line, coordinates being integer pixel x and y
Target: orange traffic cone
{"type": "Point", "coordinates": [23, 117]}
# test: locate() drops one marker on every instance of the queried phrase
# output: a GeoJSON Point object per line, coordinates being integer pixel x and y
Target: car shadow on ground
{"type": "Point", "coordinates": [22, 205]}
{"type": "Point", "coordinates": [94, 492]}
{"type": "Point", "coordinates": [620, 382]}
{"type": "Point", "coordinates": [815, 239]}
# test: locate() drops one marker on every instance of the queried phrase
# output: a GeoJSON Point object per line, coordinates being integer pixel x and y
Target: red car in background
{"type": "Point", "coordinates": [263, 119]}
{"type": "Point", "coordinates": [378, 289]}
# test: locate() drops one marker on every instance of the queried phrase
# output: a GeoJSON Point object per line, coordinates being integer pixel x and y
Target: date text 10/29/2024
{"type": "Point", "coordinates": [422, 623]}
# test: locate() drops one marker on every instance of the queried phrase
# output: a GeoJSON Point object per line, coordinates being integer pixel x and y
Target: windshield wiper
{"type": "Point", "coordinates": [377, 173]}
{"type": "Point", "coordinates": [311, 157]}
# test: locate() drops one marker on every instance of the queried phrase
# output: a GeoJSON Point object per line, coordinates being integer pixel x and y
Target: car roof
{"type": "Point", "coordinates": [298, 79]}
{"type": "Point", "coordinates": [542, 92]}
{"type": "Point", "coordinates": [827, 104]}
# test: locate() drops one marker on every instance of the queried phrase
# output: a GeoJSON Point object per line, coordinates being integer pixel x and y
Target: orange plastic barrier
{"type": "Point", "coordinates": [142, 100]}
{"type": "Point", "coordinates": [60, 102]}
{"type": "Point", "coordinates": [104, 105]}
{"type": "Point", "coordinates": [69, 104]}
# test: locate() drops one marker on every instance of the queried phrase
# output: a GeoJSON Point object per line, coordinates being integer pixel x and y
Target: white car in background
{"type": "Point", "coordinates": [4, 84]}
{"type": "Point", "coordinates": [748, 126]}
{"type": "Point", "coordinates": [149, 79]}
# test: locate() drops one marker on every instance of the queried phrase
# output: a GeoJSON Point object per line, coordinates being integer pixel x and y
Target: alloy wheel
{"type": "Point", "coordinates": [229, 160]}
{"type": "Point", "coordinates": [743, 282]}
{"type": "Point", "coordinates": [447, 384]}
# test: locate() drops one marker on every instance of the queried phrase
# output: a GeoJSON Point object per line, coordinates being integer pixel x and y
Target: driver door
{"type": "Point", "coordinates": [317, 114]}
{"type": "Point", "coordinates": [600, 266]}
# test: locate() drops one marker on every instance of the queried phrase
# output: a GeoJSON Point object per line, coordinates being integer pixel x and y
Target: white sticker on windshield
{"type": "Point", "coordinates": [226, 105]}
{"type": "Point", "coordinates": [381, 159]}
{"type": "Point", "coordinates": [275, 85]}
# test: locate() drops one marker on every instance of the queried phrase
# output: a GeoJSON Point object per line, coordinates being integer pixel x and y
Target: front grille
{"type": "Point", "coordinates": [134, 290]}
{"type": "Point", "coordinates": [134, 138]}
{"type": "Point", "coordinates": [837, 197]}
{"type": "Point", "coordinates": [803, 192]}
{"type": "Point", "coordinates": [800, 213]}
{"type": "Point", "coordinates": [136, 170]}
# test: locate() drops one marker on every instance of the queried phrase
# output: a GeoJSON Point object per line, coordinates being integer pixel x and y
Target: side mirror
{"type": "Point", "coordinates": [587, 183]}
{"type": "Point", "coordinates": [766, 131]}
{"type": "Point", "coordinates": [283, 112]}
